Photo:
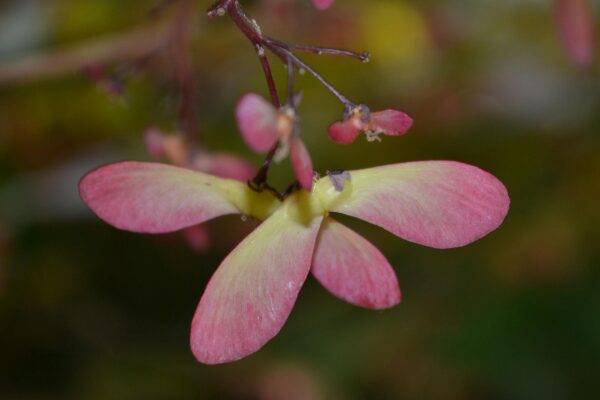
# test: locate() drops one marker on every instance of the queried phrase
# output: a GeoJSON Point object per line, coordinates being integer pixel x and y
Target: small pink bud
{"type": "Point", "coordinates": [172, 146]}
{"type": "Point", "coordinates": [197, 237]}
{"type": "Point", "coordinates": [302, 163]}
{"type": "Point", "coordinates": [344, 132]}
{"type": "Point", "coordinates": [575, 22]}
{"type": "Point", "coordinates": [176, 150]}
{"type": "Point", "coordinates": [323, 4]}
{"type": "Point", "coordinates": [153, 140]}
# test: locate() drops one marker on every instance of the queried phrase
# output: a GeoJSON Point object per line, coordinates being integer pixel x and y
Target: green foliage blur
{"type": "Point", "coordinates": [90, 312]}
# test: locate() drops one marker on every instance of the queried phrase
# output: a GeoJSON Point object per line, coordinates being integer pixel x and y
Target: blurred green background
{"type": "Point", "coordinates": [90, 312]}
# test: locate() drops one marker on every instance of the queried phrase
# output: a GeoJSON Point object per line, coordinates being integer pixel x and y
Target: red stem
{"type": "Point", "coordinates": [284, 51]}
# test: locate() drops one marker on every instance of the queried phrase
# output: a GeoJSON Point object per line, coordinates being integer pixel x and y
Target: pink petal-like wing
{"type": "Point", "coordinates": [302, 163]}
{"type": "Point", "coordinates": [155, 198]}
{"type": "Point", "coordinates": [353, 269]}
{"type": "Point", "coordinates": [391, 122]}
{"type": "Point", "coordinates": [575, 21]}
{"type": "Point", "coordinates": [257, 120]}
{"type": "Point", "coordinates": [251, 294]}
{"type": "Point", "coordinates": [344, 132]}
{"type": "Point", "coordinates": [440, 204]}
{"type": "Point", "coordinates": [323, 4]}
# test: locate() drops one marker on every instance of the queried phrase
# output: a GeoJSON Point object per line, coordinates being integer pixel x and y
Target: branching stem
{"type": "Point", "coordinates": [364, 57]}
{"type": "Point", "coordinates": [180, 49]}
{"type": "Point", "coordinates": [285, 55]}
{"type": "Point", "coordinates": [284, 51]}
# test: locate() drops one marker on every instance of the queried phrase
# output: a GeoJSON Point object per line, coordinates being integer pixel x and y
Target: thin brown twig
{"type": "Point", "coordinates": [131, 45]}
{"type": "Point", "coordinates": [286, 55]}
{"type": "Point", "coordinates": [252, 32]}
{"type": "Point", "coordinates": [283, 51]}
{"type": "Point", "coordinates": [180, 49]}
{"type": "Point", "coordinates": [246, 26]}
{"type": "Point", "coordinates": [363, 57]}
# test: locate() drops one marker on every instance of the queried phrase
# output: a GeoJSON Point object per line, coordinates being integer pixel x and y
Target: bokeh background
{"type": "Point", "coordinates": [90, 312]}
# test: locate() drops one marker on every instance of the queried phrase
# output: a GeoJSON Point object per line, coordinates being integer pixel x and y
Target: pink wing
{"type": "Point", "coordinates": [391, 122]}
{"type": "Point", "coordinates": [344, 132]}
{"type": "Point", "coordinates": [257, 120]}
{"type": "Point", "coordinates": [353, 269]}
{"type": "Point", "coordinates": [302, 163]}
{"type": "Point", "coordinates": [155, 198]}
{"type": "Point", "coordinates": [440, 204]}
{"type": "Point", "coordinates": [251, 294]}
